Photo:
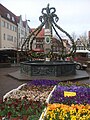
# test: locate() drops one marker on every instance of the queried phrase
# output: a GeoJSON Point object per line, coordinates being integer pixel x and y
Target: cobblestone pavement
{"type": "Point", "coordinates": [8, 83]}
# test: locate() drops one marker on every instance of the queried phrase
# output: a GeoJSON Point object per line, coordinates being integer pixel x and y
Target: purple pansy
{"type": "Point", "coordinates": [44, 82]}
{"type": "Point", "coordinates": [82, 95]}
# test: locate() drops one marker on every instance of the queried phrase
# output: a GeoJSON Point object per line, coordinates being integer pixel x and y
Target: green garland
{"type": "Point", "coordinates": [51, 55]}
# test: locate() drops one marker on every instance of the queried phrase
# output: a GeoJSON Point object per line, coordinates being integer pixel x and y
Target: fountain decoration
{"type": "Point", "coordinates": [48, 67]}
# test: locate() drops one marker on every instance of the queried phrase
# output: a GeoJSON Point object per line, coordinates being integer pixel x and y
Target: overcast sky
{"type": "Point", "coordinates": [74, 15]}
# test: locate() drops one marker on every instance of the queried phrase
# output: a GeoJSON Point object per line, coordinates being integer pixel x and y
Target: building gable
{"type": "Point", "coordinates": [7, 14]}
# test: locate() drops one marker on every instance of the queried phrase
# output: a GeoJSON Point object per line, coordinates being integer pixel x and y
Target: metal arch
{"type": "Point", "coordinates": [67, 34]}
{"type": "Point", "coordinates": [48, 16]}
{"type": "Point", "coordinates": [59, 39]}
{"type": "Point", "coordinates": [31, 34]}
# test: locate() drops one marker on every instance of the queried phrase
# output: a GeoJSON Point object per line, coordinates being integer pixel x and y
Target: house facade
{"type": "Point", "coordinates": [22, 31]}
{"type": "Point", "coordinates": [38, 43]}
{"type": "Point", "coordinates": [13, 31]}
{"type": "Point", "coordinates": [8, 29]}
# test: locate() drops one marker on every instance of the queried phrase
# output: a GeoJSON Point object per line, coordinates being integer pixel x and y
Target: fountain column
{"type": "Point", "coordinates": [48, 32]}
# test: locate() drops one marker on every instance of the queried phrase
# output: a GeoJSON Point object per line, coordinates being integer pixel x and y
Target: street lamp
{"type": "Point", "coordinates": [26, 30]}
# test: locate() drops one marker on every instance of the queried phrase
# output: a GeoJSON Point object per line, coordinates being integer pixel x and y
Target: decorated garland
{"type": "Point", "coordinates": [48, 17]}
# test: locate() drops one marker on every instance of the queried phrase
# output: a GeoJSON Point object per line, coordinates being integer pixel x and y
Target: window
{"type": "Point", "coordinates": [37, 40]}
{"type": "Point", "coordinates": [8, 25]}
{"type": "Point", "coordinates": [10, 38]}
{"type": "Point", "coordinates": [8, 16]}
{"type": "Point", "coordinates": [54, 49]}
{"type": "Point", "coordinates": [3, 23]}
{"type": "Point", "coordinates": [19, 35]}
{"type": "Point", "coordinates": [15, 29]}
{"type": "Point", "coordinates": [19, 44]}
{"type": "Point", "coordinates": [39, 46]}
{"type": "Point", "coordinates": [13, 19]}
{"type": "Point", "coordinates": [22, 32]}
{"type": "Point", "coordinates": [4, 36]}
{"type": "Point", "coordinates": [14, 39]}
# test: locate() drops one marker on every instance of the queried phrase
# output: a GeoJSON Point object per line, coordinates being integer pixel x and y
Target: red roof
{"type": "Point", "coordinates": [40, 34]}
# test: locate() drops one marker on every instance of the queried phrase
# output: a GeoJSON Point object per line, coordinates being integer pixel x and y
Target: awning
{"type": "Point", "coordinates": [7, 49]}
{"type": "Point", "coordinates": [38, 50]}
{"type": "Point", "coordinates": [82, 51]}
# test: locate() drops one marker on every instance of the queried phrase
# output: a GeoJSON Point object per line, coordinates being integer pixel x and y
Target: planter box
{"type": "Point", "coordinates": [12, 91]}
{"type": "Point", "coordinates": [70, 95]}
{"type": "Point", "coordinates": [50, 95]}
{"type": "Point", "coordinates": [33, 92]}
{"type": "Point", "coordinates": [42, 117]}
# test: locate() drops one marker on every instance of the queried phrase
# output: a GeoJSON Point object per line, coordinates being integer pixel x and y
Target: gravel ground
{"type": "Point", "coordinates": [8, 83]}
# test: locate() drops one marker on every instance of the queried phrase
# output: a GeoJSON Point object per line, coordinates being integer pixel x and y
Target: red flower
{"type": "Point", "coordinates": [5, 99]}
{"type": "Point", "coordinates": [15, 105]}
{"type": "Point", "coordinates": [9, 114]}
{"type": "Point", "coordinates": [25, 97]}
{"type": "Point", "coordinates": [2, 108]}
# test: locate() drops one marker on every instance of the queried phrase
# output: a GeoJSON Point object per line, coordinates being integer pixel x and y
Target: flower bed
{"type": "Point", "coordinates": [71, 95]}
{"type": "Point", "coordinates": [58, 111]}
{"type": "Point", "coordinates": [69, 102]}
{"type": "Point", "coordinates": [35, 92]}
{"type": "Point", "coordinates": [44, 82]}
{"type": "Point", "coordinates": [13, 108]}
{"type": "Point", "coordinates": [65, 101]}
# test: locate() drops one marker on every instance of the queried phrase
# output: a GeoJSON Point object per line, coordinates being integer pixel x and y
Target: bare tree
{"type": "Point", "coordinates": [84, 39]}
{"type": "Point", "coordinates": [74, 36]}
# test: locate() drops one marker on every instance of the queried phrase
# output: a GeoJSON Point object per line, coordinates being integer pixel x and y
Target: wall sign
{"type": "Point", "coordinates": [47, 39]}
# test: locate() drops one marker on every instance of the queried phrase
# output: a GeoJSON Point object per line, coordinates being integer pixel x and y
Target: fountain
{"type": "Point", "coordinates": [49, 66]}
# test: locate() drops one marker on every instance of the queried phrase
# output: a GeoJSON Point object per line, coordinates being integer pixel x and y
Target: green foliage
{"type": "Point", "coordinates": [12, 107]}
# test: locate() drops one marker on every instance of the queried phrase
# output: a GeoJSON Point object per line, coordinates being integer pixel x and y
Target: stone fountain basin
{"type": "Point", "coordinates": [48, 68]}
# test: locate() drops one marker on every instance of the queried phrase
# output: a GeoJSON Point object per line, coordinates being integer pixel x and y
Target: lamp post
{"type": "Point", "coordinates": [26, 29]}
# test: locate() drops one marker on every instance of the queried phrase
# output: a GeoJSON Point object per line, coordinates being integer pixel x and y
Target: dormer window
{"type": "Point", "coordinates": [8, 16]}
{"type": "Point", "coordinates": [13, 19]}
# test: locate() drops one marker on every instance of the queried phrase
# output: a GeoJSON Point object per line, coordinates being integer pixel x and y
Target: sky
{"type": "Point", "coordinates": [74, 15]}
